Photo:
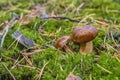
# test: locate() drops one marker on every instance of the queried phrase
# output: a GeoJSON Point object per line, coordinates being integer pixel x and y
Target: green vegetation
{"type": "Point", "coordinates": [56, 64]}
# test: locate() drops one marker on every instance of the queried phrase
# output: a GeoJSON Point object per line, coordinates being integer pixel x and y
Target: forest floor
{"type": "Point", "coordinates": [42, 21]}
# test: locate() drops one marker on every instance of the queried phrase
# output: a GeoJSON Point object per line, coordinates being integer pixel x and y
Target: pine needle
{"type": "Point", "coordinates": [104, 69]}
{"type": "Point", "coordinates": [9, 71]}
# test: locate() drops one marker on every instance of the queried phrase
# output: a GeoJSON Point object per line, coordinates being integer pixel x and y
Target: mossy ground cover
{"type": "Point", "coordinates": [53, 64]}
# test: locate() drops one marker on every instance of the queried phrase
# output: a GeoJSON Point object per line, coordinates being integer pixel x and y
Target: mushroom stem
{"type": "Point", "coordinates": [86, 47]}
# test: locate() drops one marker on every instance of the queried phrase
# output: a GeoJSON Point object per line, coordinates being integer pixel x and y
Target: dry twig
{"type": "Point", "coordinates": [9, 25]}
{"type": "Point", "coordinates": [31, 53]}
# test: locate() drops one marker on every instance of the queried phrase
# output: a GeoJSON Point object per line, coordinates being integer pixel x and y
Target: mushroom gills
{"type": "Point", "coordinates": [86, 47]}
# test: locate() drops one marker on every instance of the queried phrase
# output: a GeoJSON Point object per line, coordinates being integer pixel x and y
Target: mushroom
{"type": "Point", "coordinates": [62, 43]}
{"type": "Point", "coordinates": [84, 36]}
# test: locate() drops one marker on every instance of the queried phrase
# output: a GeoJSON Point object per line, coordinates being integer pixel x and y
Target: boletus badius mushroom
{"type": "Point", "coordinates": [62, 43]}
{"type": "Point", "coordinates": [84, 36]}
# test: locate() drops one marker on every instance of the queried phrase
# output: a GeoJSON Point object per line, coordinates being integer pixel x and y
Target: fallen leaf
{"type": "Point", "coordinates": [38, 11]}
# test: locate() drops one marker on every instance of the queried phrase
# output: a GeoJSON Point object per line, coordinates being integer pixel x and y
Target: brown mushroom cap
{"type": "Point", "coordinates": [84, 34]}
{"type": "Point", "coordinates": [61, 42]}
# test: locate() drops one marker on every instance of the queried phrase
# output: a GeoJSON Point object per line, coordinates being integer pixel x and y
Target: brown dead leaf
{"type": "Point", "coordinates": [71, 76]}
{"type": "Point", "coordinates": [38, 11]}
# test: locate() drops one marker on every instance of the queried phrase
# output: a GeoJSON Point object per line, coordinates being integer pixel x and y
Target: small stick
{"type": "Point", "coordinates": [10, 24]}
{"type": "Point", "coordinates": [28, 60]}
{"type": "Point", "coordinates": [3, 38]}
{"type": "Point", "coordinates": [60, 17]}
{"type": "Point", "coordinates": [31, 53]}
{"type": "Point", "coordinates": [9, 71]}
